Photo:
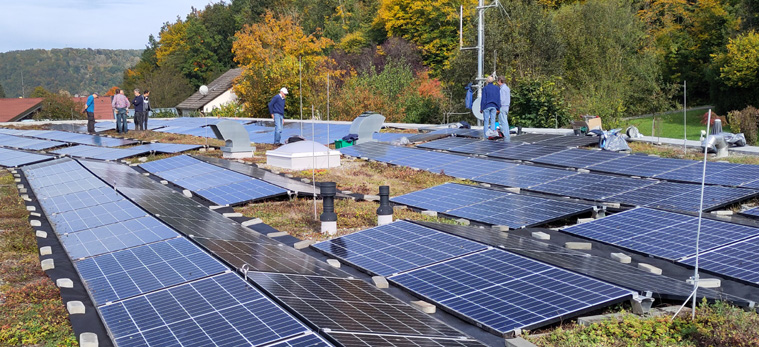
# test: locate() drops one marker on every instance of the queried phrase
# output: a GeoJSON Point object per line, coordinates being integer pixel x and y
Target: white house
{"type": "Point", "coordinates": [219, 93]}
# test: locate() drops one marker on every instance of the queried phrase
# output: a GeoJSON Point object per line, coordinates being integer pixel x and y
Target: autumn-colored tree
{"type": "Point", "coordinates": [431, 25]}
{"type": "Point", "coordinates": [39, 92]}
{"type": "Point", "coordinates": [112, 91]}
{"type": "Point", "coordinates": [269, 53]}
{"type": "Point", "coordinates": [187, 46]}
{"type": "Point", "coordinates": [740, 63]}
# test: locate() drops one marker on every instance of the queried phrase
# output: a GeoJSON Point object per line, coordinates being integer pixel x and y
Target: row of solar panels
{"type": "Point", "coordinates": [594, 187]}
{"type": "Point", "coordinates": [681, 170]}
{"type": "Point", "coordinates": [67, 137]}
{"type": "Point", "coordinates": [150, 285]}
{"type": "Point", "coordinates": [490, 287]}
{"type": "Point", "coordinates": [216, 184]}
{"type": "Point", "coordinates": [350, 312]}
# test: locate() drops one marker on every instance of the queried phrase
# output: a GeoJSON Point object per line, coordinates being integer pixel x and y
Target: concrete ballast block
{"type": "Point", "coordinates": [707, 282]}
{"type": "Point", "coordinates": [31, 208]}
{"type": "Point", "coordinates": [277, 234]}
{"type": "Point", "coordinates": [621, 257]}
{"type": "Point", "coordinates": [64, 283]}
{"type": "Point", "coordinates": [541, 235]}
{"type": "Point", "coordinates": [514, 190]}
{"type": "Point", "coordinates": [46, 250]}
{"type": "Point", "coordinates": [23, 191]}
{"type": "Point", "coordinates": [35, 214]}
{"type": "Point", "coordinates": [35, 223]}
{"type": "Point", "coordinates": [142, 159]}
{"type": "Point", "coordinates": [518, 342]}
{"type": "Point", "coordinates": [146, 173]}
{"type": "Point", "coordinates": [75, 307]}
{"type": "Point", "coordinates": [303, 244]}
{"type": "Point", "coordinates": [583, 170]}
{"type": "Point", "coordinates": [579, 245]}
{"type": "Point", "coordinates": [380, 282]}
{"type": "Point", "coordinates": [371, 197]}
{"type": "Point", "coordinates": [232, 214]}
{"type": "Point", "coordinates": [48, 264]}
{"type": "Point", "coordinates": [649, 268]}
{"type": "Point", "coordinates": [187, 193]}
{"type": "Point", "coordinates": [723, 213]}
{"type": "Point", "coordinates": [334, 263]}
{"type": "Point", "coordinates": [584, 220]}
{"type": "Point", "coordinates": [253, 221]}
{"type": "Point", "coordinates": [426, 307]}
{"type": "Point", "coordinates": [430, 213]}
{"type": "Point", "coordinates": [463, 221]}
{"type": "Point", "coordinates": [41, 234]}
{"type": "Point", "coordinates": [88, 340]}
{"type": "Point", "coordinates": [501, 227]}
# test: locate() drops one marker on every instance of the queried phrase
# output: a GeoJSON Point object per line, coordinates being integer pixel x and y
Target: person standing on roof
{"type": "Point", "coordinates": [138, 103]}
{"type": "Point", "coordinates": [489, 105]}
{"type": "Point", "coordinates": [277, 111]}
{"type": "Point", "coordinates": [120, 104]}
{"type": "Point", "coordinates": [503, 115]}
{"type": "Point", "coordinates": [89, 108]}
{"type": "Point", "coordinates": [145, 110]}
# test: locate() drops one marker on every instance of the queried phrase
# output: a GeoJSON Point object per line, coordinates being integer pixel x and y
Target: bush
{"type": "Point", "coordinates": [539, 102]}
{"type": "Point", "coordinates": [746, 121]}
{"type": "Point", "coordinates": [228, 110]}
{"type": "Point", "coordinates": [59, 107]}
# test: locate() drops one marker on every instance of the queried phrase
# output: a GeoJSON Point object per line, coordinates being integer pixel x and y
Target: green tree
{"type": "Point", "coordinates": [39, 92]}
{"type": "Point", "coordinates": [2, 91]}
{"type": "Point", "coordinates": [738, 80]}
{"type": "Point", "coordinates": [59, 107]}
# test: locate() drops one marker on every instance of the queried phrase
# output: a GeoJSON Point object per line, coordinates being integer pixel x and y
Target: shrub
{"type": "Point", "coordinates": [746, 121]}
{"type": "Point", "coordinates": [59, 107]}
{"type": "Point", "coordinates": [539, 102]}
{"type": "Point", "coordinates": [228, 110]}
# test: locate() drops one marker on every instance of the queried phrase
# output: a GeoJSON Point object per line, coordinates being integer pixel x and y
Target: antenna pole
{"type": "Point", "coordinates": [685, 123]}
{"type": "Point", "coordinates": [300, 91]}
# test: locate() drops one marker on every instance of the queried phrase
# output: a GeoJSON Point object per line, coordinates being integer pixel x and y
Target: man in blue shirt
{"type": "Point", "coordinates": [89, 107]}
{"type": "Point", "coordinates": [489, 105]}
{"type": "Point", "coordinates": [503, 116]}
{"type": "Point", "coordinates": [277, 112]}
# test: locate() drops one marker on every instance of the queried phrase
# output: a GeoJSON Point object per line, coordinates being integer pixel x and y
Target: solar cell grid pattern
{"type": "Point", "coordinates": [214, 183]}
{"type": "Point", "coordinates": [519, 211]}
{"type": "Point", "coordinates": [659, 233]}
{"type": "Point", "coordinates": [426, 160]}
{"type": "Point", "coordinates": [83, 139]}
{"type": "Point", "coordinates": [592, 186]}
{"type": "Point", "coordinates": [504, 291]}
{"type": "Point", "coordinates": [27, 143]}
{"type": "Point", "coordinates": [165, 147]}
{"type": "Point", "coordinates": [683, 196]}
{"type": "Point", "coordinates": [95, 216]}
{"type": "Point", "coordinates": [396, 247]}
{"type": "Point", "coordinates": [101, 153]}
{"type": "Point", "coordinates": [753, 212]}
{"type": "Point", "coordinates": [221, 310]}
{"type": "Point", "coordinates": [532, 138]}
{"type": "Point", "coordinates": [577, 158]}
{"type": "Point", "coordinates": [448, 143]}
{"type": "Point", "coordinates": [484, 147]}
{"type": "Point", "coordinates": [13, 158]}
{"type": "Point", "coordinates": [716, 173]}
{"type": "Point", "coordinates": [570, 141]}
{"type": "Point", "coordinates": [525, 152]}
{"type": "Point", "coordinates": [78, 200]}
{"type": "Point", "coordinates": [112, 237]}
{"type": "Point", "coordinates": [267, 257]}
{"type": "Point", "coordinates": [523, 176]}
{"type": "Point", "coordinates": [69, 187]}
{"type": "Point", "coordinates": [350, 305]}
{"type": "Point", "coordinates": [737, 260]}
{"type": "Point", "coordinates": [310, 340]}
{"type": "Point", "coordinates": [470, 168]}
{"type": "Point", "coordinates": [447, 196]}
{"type": "Point", "coordinates": [365, 340]}
{"type": "Point", "coordinates": [131, 272]}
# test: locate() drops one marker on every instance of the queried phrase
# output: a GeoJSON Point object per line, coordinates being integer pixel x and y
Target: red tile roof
{"type": "Point", "coordinates": [13, 109]}
{"type": "Point", "coordinates": [103, 108]}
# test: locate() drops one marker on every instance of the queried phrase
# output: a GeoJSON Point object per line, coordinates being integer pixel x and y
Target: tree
{"type": "Point", "coordinates": [269, 52]}
{"type": "Point", "coordinates": [431, 25]}
{"type": "Point", "coordinates": [738, 66]}
{"type": "Point", "coordinates": [187, 46]}
{"type": "Point", "coordinates": [39, 92]}
{"type": "Point", "coordinates": [2, 91]}
{"type": "Point", "coordinates": [59, 107]}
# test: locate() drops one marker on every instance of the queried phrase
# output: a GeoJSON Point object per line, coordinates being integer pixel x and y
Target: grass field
{"type": "Point", "coordinates": [671, 124]}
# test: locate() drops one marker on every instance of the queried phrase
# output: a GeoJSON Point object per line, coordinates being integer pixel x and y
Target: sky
{"type": "Point", "coordinates": [105, 24]}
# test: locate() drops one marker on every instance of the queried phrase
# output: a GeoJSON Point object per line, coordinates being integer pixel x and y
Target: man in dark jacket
{"type": "Point", "coordinates": [489, 105]}
{"type": "Point", "coordinates": [145, 110]}
{"type": "Point", "coordinates": [138, 109]}
{"type": "Point", "coordinates": [277, 112]}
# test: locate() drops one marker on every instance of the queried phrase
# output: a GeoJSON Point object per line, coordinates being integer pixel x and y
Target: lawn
{"type": "Point", "coordinates": [671, 124]}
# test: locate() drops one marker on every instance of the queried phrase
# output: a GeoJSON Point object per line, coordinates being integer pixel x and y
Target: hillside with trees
{"type": "Point", "coordinates": [562, 58]}
{"type": "Point", "coordinates": [66, 71]}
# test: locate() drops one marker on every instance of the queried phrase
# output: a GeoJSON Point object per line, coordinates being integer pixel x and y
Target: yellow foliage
{"type": "Point", "coordinates": [741, 61]}
{"type": "Point", "coordinates": [269, 51]}
{"type": "Point", "coordinates": [172, 40]}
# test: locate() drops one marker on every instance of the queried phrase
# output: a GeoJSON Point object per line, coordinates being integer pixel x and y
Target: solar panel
{"type": "Point", "coordinates": [310, 340]}
{"type": "Point", "coordinates": [737, 260]}
{"type": "Point", "coordinates": [592, 186]}
{"type": "Point", "coordinates": [238, 192]}
{"type": "Point", "coordinates": [659, 233]}
{"type": "Point", "coordinates": [221, 310]}
{"type": "Point", "coordinates": [577, 158]}
{"type": "Point", "coordinates": [455, 195]}
{"type": "Point", "coordinates": [139, 270]}
{"type": "Point", "coordinates": [715, 174]}
{"type": "Point", "coordinates": [491, 207]}
{"type": "Point", "coordinates": [523, 176]}
{"type": "Point", "coordinates": [83, 139]}
{"type": "Point", "coordinates": [570, 141]}
{"type": "Point", "coordinates": [80, 199]}
{"type": "Point", "coordinates": [525, 152]}
{"type": "Point", "coordinates": [532, 138]}
{"type": "Point", "coordinates": [469, 168]}
{"type": "Point", "coordinates": [484, 147]}
{"type": "Point", "coordinates": [447, 143]}
{"type": "Point", "coordinates": [426, 160]}
{"type": "Point", "coordinates": [752, 212]}
{"type": "Point", "coordinates": [504, 291]}
{"type": "Point", "coordinates": [357, 339]}
{"type": "Point", "coordinates": [396, 247]}
{"type": "Point", "coordinates": [267, 257]}
{"type": "Point", "coordinates": [12, 158]}
{"type": "Point", "coordinates": [168, 163]}
{"type": "Point", "coordinates": [519, 211]}
{"type": "Point", "coordinates": [95, 216]}
{"type": "Point", "coordinates": [683, 196]}
{"type": "Point", "coordinates": [117, 236]}
{"type": "Point", "coordinates": [70, 187]}
{"type": "Point", "coordinates": [351, 305]}
{"type": "Point", "coordinates": [165, 147]}
{"type": "Point", "coordinates": [27, 143]}
{"type": "Point", "coordinates": [101, 153]}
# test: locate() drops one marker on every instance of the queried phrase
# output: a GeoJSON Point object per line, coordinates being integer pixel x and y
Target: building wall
{"type": "Point", "coordinates": [219, 101]}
